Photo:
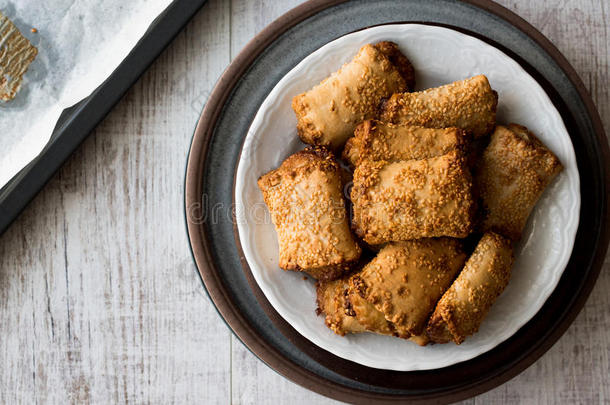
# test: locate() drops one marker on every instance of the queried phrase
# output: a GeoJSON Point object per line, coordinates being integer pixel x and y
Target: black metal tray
{"type": "Point", "coordinates": [77, 122]}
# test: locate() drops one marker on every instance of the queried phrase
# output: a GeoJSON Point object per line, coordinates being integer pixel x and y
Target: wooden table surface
{"type": "Point", "coordinates": [99, 301]}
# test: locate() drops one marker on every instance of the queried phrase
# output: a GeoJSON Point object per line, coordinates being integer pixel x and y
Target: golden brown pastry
{"type": "Point", "coordinates": [468, 104]}
{"type": "Point", "coordinates": [374, 321]}
{"type": "Point", "coordinates": [375, 140]}
{"type": "Point", "coordinates": [406, 279]}
{"type": "Point", "coordinates": [328, 113]}
{"type": "Point", "coordinates": [412, 199]}
{"type": "Point", "coordinates": [333, 303]}
{"type": "Point", "coordinates": [16, 54]}
{"type": "Point", "coordinates": [305, 199]}
{"type": "Point", "coordinates": [391, 51]}
{"type": "Point", "coordinates": [462, 308]}
{"type": "Point", "coordinates": [421, 340]}
{"type": "Point", "coordinates": [513, 172]}
{"type": "Point", "coordinates": [345, 312]}
{"type": "Point", "coordinates": [367, 315]}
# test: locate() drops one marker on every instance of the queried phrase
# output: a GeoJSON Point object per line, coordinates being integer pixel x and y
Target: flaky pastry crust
{"type": "Point", "coordinates": [512, 174]}
{"type": "Point", "coordinates": [412, 199]}
{"type": "Point", "coordinates": [331, 297]}
{"type": "Point", "coordinates": [406, 279]}
{"type": "Point", "coordinates": [367, 315]}
{"type": "Point", "coordinates": [376, 140]}
{"type": "Point", "coordinates": [463, 307]}
{"type": "Point", "coordinates": [305, 199]}
{"type": "Point", "coordinates": [328, 113]}
{"type": "Point", "coordinates": [468, 104]}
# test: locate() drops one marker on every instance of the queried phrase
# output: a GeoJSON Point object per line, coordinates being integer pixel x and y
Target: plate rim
{"type": "Point", "coordinates": [199, 242]}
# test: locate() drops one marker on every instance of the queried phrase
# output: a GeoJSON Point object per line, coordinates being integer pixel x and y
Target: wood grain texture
{"type": "Point", "coordinates": [99, 301]}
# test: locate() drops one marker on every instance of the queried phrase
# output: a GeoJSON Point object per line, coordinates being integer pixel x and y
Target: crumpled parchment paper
{"type": "Point", "coordinates": [80, 43]}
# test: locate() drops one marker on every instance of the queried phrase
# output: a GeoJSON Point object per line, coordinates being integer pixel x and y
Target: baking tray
{"type": "Point", "coordinates": [217, 144]}
{"type": "Point", "coordinates": [77, 122]}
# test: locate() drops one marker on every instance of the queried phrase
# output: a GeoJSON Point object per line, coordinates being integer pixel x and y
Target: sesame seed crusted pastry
{"type": "Point", "coordinates": [331, 297]}
{"type": "Point", "coordinates": [328, 113]}
{"type": "Point", "coordinates": [347, 312]}
{"type": "Point", "coordinates": [461, 310]}
{"type": "Point", "coordinates": [468, 104]}
{"type": "Point", "coordinates": [16, 54]}
{"type": "Point", "coordinates": [305, 199]}
{"type": "Point", "coordinates": [375, 140]}
{"type": "Point", "coordinates": [391, 51]}
{"type": "Point", "coordinates": [406, 279]}
{"type": "Point", "coordinates": [367, 315]}
{"type": "Point", "coordinates": [513, 172]}
{"type": "Point", "coordinates": [412, 199]}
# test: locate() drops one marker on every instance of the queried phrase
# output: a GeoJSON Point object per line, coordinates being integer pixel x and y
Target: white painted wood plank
{"type": "Point", "coordinates": [100, 301]}
{"type": "Point", "coordinates": [255, 383]}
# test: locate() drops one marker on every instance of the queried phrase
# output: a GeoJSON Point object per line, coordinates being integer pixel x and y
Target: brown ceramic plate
{"type": "Point", "coordinates": [216, 148]}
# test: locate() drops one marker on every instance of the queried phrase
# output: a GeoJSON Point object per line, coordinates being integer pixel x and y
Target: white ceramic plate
{"type": "Point", "coordinates": [440, 56]}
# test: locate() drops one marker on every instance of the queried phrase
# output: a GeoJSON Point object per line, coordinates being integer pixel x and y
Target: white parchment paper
{"type": "Point", "coordinates": [80, 43]}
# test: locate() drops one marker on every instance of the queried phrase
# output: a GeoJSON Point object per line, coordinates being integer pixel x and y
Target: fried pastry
{"type": "Point", "coordinates": [328, 113]}
{"type": "Point", "coordinates": [374, 321]}
{"type": "Point", "coordinates": [461, 310]}
{"type": "Point", "coordinates": [468, 104]}
{"type": "Point", "coordinates": [331, 297]}
{"type": "Point", "coordinates": [406, 279]}
{"type": "Point", "coordinates": [367, 315]}
{"type": "Point", "coordinates": [305, 199]}
{"type": "Point", "coordinates": [513, 171]}
{"type": "Point", "coordinates": [16, 55]}
{"type": "Point", "coordinates": [412, 199]}
{"type": "Point", "coordinates": [421, 340]}
{"type": "Point", "coordinates": [375, 140]}
{"type": "Point", "coordinates": [391, 51]}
